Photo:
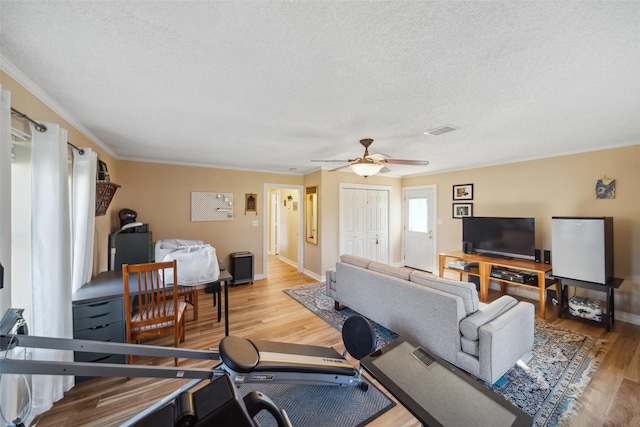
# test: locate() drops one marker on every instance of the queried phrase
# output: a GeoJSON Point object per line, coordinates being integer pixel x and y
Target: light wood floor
{"type": "Point", "coordinates": [264, 311]}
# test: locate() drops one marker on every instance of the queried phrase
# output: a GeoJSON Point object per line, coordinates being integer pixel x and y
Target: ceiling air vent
{"type": "Point", "coordinates": [441, 130]}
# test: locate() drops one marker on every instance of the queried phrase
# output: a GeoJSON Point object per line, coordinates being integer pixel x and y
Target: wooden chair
{"type": "Point", "coordinates": [156, 312]}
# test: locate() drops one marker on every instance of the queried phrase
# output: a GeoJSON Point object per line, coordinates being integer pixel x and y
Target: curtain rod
{"type": "Point", "coordinates": [39, 126]}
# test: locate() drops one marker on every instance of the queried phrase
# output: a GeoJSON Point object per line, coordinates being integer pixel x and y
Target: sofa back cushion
{"type": "Point", "coordinates": [399, 272]}
{"type": "Point", "coordinates": [355, 260]}
{"type": "Point", "coordinates": [465, 290]}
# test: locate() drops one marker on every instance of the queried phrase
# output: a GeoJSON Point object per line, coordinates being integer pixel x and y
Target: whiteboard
{"type": "Point", "coordinates": [211, 206]}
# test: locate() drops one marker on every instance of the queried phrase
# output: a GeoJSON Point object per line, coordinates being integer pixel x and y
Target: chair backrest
{"type": "Point", "coordinates": [155, 300]}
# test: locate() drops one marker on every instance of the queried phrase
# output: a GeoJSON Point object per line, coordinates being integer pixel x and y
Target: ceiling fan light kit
{"type": "Point", "coordinates": [366, 169]}
{"type": "Point", "coordinates": [369, 165]}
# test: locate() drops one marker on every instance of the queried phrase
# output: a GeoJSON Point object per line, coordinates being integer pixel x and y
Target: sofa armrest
{"type": "Point", "coordinates": [470, 325]}
{"type": "Point", "coordinates": [506, 339]}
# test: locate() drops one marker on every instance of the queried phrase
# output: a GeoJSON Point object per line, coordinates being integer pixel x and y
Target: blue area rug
{"type": "Point", "coordinates": [546, 383]}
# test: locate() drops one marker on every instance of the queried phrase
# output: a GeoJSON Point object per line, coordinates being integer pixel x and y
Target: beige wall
{"type": "Point", "coordinates": [558, 186]}
{"type": "Point", "coordinates": [161, 195]}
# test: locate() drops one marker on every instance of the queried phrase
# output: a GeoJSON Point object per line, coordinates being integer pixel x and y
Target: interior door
{"type": "Point", "coordinates": [378, 225]}
{"type": "Point", "coordinates": [353, 213]}
{"type": "Point", "coordinates": [365, 223]}
{"type": "Point", "coordinates": [419, 242]}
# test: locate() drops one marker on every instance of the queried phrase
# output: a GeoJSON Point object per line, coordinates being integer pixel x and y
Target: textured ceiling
{"type": "Point", "coordinates": [270, 85]}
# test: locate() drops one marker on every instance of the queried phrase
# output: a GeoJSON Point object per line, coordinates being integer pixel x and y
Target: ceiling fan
{"type": "Point", "coordinates": [369, 165]}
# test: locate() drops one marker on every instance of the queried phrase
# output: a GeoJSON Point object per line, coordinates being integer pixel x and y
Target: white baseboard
{"type": "Point", "coordinates": [288, 261]}
{"type": "Point", "coordinates": [314, 275]}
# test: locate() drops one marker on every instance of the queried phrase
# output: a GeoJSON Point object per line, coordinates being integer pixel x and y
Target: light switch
{"type": "Point", "coordinates": [254, 222]}
{"type": "Point", "coordinates": [439, 222]}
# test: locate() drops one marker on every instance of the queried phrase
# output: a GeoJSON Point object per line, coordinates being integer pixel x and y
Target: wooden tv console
{"type": "Point", "coordinates": [483, 271]}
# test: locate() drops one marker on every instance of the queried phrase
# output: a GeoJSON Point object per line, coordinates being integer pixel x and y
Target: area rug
{"type": "Point", "coordinates": [546, 383]}
{"type": "Point", "coordinates": [322, 406]}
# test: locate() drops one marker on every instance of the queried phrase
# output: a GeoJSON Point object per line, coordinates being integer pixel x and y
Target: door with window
{"type": "Point", "coordinates": [418, 233]}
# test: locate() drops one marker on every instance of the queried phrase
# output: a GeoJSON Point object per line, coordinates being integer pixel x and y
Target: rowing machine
{"type": "Point", "coordinates": [243, 360]}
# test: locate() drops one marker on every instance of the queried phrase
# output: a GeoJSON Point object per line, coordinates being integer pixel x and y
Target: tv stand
{"type": "Point", "coordinates": [493, 255]}
{"type": "Point", "coordinates": [486, 263]}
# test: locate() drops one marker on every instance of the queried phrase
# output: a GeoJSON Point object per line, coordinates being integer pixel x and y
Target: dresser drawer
{"type": "Point", "coordinates": [104, 332]}
{"type": "Point", "coordinates": [98, 308]}
{"type": "Point", "coordinates": [96, 322]}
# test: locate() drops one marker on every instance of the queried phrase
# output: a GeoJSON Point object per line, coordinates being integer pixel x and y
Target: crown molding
{"type": "Point", "coordinates": [25, 81]}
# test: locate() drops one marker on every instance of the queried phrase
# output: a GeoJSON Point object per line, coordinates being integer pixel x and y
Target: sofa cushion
{"type": "Point", "coordinates": [471, 347]}
{"type": "Point", "coordinates": [470, 325]}
{"type": "Point", "coordinates": [355, 260]}
{"type": "Point", "coordinates": [465, 290]}
{"type": "Point", "coordinates": [399, 272]}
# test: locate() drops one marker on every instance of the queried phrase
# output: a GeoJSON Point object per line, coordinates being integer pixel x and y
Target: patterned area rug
{"type": "Point", "coordinates": [546, 383]}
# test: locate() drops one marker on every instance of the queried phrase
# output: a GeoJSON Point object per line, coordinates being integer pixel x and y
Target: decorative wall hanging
{"type": "Point", "coordinates": [211, 206]}
{"type": "Point", "coordinates": [605, 188]}
{"type": "Point", "coordinates": [463, 192]}
{"type": "Point", "coordinates": [461, 210]}
{"type": "Point", "coordinates": [251, 203]}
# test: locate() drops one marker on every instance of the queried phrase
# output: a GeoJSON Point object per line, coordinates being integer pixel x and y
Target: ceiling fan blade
{"type": "Point", "coordinates": [339, 168]}
{"type": "Point", "coordinates": [406, 162]}
{"type": "Point", "coordinates": [332, 161]}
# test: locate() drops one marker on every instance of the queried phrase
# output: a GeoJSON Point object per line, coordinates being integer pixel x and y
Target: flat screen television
{"type": "Point", "coordinates": [500, 237]}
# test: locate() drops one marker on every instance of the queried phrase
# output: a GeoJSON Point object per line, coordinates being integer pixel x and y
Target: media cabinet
{"type": "Point", "coordinates": [486, 264]}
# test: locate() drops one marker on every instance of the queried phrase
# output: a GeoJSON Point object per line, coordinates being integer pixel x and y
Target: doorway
{"type": "Point", "coordinates": [419, 240]}
{"type": "Point", "coordinates": [283, 223]}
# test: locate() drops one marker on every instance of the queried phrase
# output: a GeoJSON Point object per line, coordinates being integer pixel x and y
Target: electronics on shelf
{"type": "Point", "coordinates": [514, 276]}
{"type": "Point", "coordinates": [460, 264]}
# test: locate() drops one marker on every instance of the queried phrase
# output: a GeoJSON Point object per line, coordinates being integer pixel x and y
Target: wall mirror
{"type": "Point", "coordinates": [311, 208]}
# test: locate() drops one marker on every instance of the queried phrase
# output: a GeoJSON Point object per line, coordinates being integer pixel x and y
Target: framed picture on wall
{"type": "Point", "coordinates": [463, 192]}
{"type": "Point", "coordinates": [461, 210]}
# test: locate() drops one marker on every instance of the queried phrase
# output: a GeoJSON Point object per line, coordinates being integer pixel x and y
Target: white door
{"type": "Point", "coordinates": [377, 225]}
{"type": "Point", "coordinates": [365, 223]}
{"type": "Point", "coordinates": [419, 242]}
{"type": "Point", "coordinates": [353, 214]}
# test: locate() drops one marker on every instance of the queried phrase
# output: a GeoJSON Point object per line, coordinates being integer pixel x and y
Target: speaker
{"type": "Point", "coordinates": [547, 257]}
{"type": "Point", "coordinates": [538, 258]}
{"type": "Point", "coordinates": [467, 247]}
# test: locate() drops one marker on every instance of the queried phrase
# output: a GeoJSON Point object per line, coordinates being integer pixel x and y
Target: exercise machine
{"type": "Point", "coordinates": [243, 361]}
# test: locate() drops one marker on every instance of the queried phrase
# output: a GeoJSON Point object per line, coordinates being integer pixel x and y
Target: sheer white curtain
{"type": "Point", "coordinates": [5, 196]}
{"type": "Point", "coordinates": [84, 215]}
{"type": "Point", "coordinates": [51, 258]}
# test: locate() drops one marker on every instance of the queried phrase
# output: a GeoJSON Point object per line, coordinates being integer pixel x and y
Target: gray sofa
{"type": "Point", "coordinates": [444, 316]}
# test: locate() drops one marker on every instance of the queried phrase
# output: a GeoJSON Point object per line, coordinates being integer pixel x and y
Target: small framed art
{"type": "Point", "coordinates": [461, 210]}
{"type": "Point", "coordinates": [463, 192]}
